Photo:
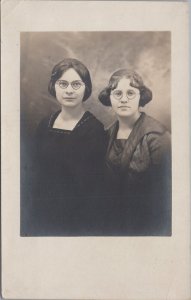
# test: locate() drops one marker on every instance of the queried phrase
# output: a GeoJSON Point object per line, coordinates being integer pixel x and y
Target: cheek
{"type": "Point", "coordinates": [113, 103]}
{"type": "Point", "coordinates": [80, 93]}
{"type": "Point", "coordinates": [57, 91]}
{"type": "Point", "coordinates": [136, 104]}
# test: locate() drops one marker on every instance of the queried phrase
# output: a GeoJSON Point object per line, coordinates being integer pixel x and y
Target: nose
{"type": "Point", "coordinates": [69, 89]}
{"type": "Point", "coordinates": [124, 99]}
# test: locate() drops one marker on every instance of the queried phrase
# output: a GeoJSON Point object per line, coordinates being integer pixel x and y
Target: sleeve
{"type": "Point", "coordinates": [161, 179]}
{"type": "Point", "coordinates": [159, 147]}
{"type": "Point", "coordinates": [41, 128]}
{"type": "Point", "coordinates": [35, 170]}
{"type": "Point", "coordinates": [29, 181]}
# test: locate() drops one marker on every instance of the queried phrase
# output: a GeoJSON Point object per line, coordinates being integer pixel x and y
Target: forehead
{"type": "Point", "coordinates": [124, 83]}
{"type": "Point", "coordinates": [70, 75]}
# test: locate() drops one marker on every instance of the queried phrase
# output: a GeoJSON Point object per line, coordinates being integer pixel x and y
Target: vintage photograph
{"type": "Point", "coordinates": [95, 150]}
{"type": "Point", "coordinates": [95, 133]}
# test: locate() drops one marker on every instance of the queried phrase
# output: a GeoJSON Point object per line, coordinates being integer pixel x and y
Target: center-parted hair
{"type": "Point", "coordinates": [135, 81]}
{"type": "Point", "coordinates": [66, 64]}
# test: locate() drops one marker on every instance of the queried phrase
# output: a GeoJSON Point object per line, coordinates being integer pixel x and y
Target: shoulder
{"type": "Point", "coordinates": [159, 138]}
{"type": "Point", "coordinates": [156, 132]}
{"type": "Point", "coordinates": [95, 131]}
{"type": "Point", "coordinates": [150, 125]}
{"type": "Point", "coordinates": [151, 130]}
{"type": "Point", "coordinates": [46, 122]}
{"type": "Point", "coordinates": [93, 122]}
{"type": "Point", "coordinates": [159, 145]}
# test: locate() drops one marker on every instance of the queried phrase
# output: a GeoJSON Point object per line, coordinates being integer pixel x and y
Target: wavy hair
{"type": "Point", "coordinates": [135, 81]}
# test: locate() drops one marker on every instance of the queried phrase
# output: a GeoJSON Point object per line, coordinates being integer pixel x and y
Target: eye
{"type": "Point", "coordinates": [130, 93]}
{"type": "Point", "coordinates": [76, 84]}
{"type": "Point", "coordinates": [117, 93]}
{"type": "Point", "coordinates": [63, 84]}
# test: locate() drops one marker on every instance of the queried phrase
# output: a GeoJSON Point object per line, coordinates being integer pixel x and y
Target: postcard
{"type": "Point", "coordinates": [95, 150]}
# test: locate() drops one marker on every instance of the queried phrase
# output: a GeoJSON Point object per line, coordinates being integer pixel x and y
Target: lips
{"type": "Point", "coordinates": [124, 106]}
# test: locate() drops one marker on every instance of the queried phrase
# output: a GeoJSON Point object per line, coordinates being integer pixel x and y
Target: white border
{"type": "Point", "coordinates": [94, 267]}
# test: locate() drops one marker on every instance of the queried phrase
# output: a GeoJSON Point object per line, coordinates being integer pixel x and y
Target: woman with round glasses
{"type": "Point", "coordinates": [70, 149]}
{"type": "Point", "coordinates": [138, 160]}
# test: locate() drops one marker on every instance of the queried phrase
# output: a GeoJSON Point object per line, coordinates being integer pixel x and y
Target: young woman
{"type": "Point", "coordinates": [138, 161]}
{"type": "Point", "coordinates": [69, 155]}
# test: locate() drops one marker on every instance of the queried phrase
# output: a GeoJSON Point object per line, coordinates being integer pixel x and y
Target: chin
{"type": "Point", "coordinates": [125, 113]}
{"type": "Point", "coordinates": [69, 104]}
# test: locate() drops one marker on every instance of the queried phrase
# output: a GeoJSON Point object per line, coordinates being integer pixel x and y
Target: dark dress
{"type": "Point", "coordinates": [138, 179]}
{"type": "Point", "coordinates": [66, 196]}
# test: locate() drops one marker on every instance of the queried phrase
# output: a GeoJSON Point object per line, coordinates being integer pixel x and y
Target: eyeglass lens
{"type": "Point", "coordinates": [76, 84]}
{"type": "Point", "coordinates": [118, 94]}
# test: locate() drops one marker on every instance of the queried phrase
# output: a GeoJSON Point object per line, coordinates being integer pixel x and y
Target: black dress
{"type": "Point", "coordinates": [67, 176]}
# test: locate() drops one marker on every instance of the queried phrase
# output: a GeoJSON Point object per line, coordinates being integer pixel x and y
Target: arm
{"type": "Point", "coordinates": [161, 182]}
{"type": "Point", "coordinates": [160, 148]}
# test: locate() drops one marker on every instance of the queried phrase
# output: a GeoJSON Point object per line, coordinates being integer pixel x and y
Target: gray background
{"type": "Point", "coordinates": [149, 53]}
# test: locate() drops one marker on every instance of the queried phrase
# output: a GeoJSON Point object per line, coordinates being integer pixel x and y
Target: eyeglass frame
{"type": "Point", "coordinates": [112, 93]}
{"type": "Point", "coordinates": [70, 83]}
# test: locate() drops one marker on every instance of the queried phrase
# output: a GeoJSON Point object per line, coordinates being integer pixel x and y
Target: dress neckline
{"type": "Point", "coordinates": [120, 143]}
{"type": "Point", "coordinates": [53, 117]}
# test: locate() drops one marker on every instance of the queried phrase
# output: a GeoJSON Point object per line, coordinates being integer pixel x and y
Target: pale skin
{"type": "Point", "coordinates": [127, 110]}
{"type": "Point", "coordinates": [71, 102]}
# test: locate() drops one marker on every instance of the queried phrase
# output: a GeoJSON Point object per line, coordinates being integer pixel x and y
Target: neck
{"type": "Point", "coordinates": [72, 113]}
{"type": "Point", "coordinates": [128, 123]}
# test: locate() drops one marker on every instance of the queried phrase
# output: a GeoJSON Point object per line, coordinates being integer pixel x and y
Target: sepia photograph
{"type": "Point", "coordinates": [95, 133]}
{"type": "Point", "coordinates": [95, 197]}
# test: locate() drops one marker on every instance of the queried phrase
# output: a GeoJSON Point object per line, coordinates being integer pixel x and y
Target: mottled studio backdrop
{"type": "Point", "coordinates": [149, 53]}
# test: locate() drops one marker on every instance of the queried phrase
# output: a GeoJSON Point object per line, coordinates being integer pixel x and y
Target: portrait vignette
{"type": "Point", "coordinates": [148, 50]}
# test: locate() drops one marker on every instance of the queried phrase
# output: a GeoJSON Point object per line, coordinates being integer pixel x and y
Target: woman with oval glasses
{"type": "Point", "coordinates": [70, 149]}
{"type": "Point", "coordinates": [138, 160]}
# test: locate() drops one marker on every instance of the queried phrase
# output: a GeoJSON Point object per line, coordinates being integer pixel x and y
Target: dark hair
{"type": "Point", "coordinates": [68, 63]}
{"type": "Point", "coordinates": [135, 81]}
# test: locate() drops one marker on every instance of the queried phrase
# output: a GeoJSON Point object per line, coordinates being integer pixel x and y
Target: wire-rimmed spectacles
{"type": "Point", "coordinates": [76, 84]}
{"type": "Point", "coordinates": [118, 94]}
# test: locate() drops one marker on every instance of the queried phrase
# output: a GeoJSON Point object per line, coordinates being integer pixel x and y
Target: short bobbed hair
{"type": "Point", "coordinates": [66, 64]}
{"type": "Point", "coordinates": [135, 81]}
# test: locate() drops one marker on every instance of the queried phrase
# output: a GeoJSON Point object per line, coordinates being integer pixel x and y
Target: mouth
{"type": "Point", "coordinates": [123, 106]}
{"type": "Point", "coordinates": [69, 98]}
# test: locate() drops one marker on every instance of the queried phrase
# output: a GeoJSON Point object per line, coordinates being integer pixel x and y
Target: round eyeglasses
{"type": "Point", "coordinates": [118, 94]}
{"type": "Point", "coordinates": [76, 84]}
